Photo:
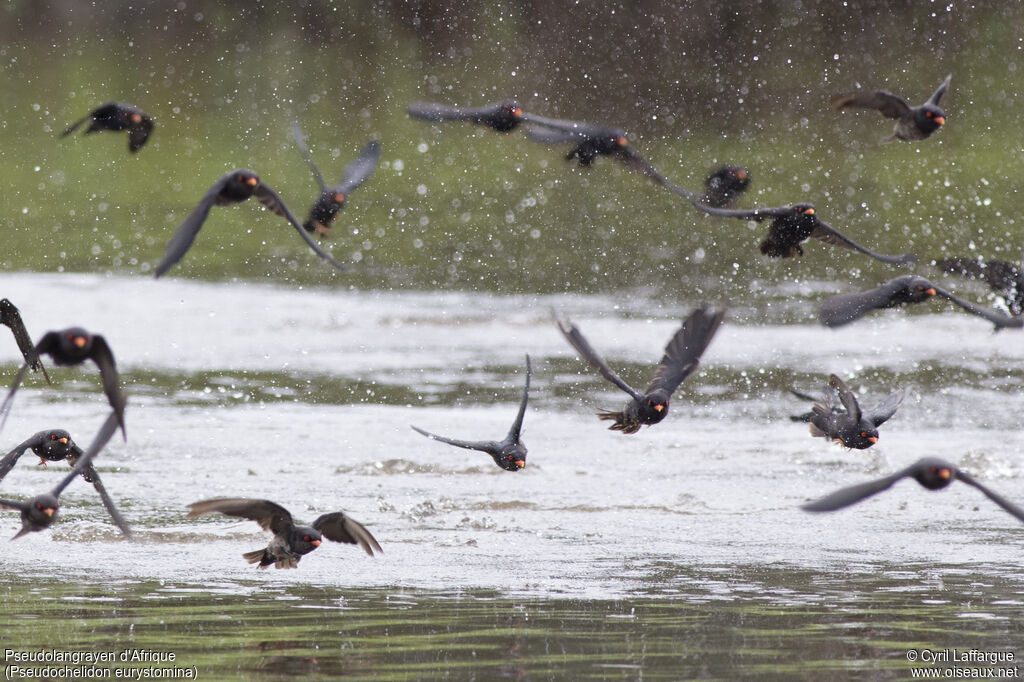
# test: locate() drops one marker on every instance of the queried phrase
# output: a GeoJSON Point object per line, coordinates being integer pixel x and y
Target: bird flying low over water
{"type": "Point", "coordinates": [332, 199]}
{"type": "Point", "coordinates": [11, 317]}
{"type": "Point", "coordinates": [116, 117]}
{"type": "Point", "coordinates": [681, 358]}
{"type": "Point", "coordinates": [55, 445]}
{"type": "Point", "coordinates": [912, 123]}
{"type": "Point", "coordinates": [510, 453]}
{"type": "Point", "coordinates": [931, 472]}
{"type": "Point", "coordinates": [791, 225]}
{"type": "Point", "coordinates": [41, 511]}
{"type": "Point", "coordinates": [73, 346]}
{"type": "Point", "coordinates": [850, 427]}
{"type": "Point", "coordinates": [1005, 279]}
{"type": "Point", "coordinates": [232, 188]}
{"type": "Point", "coordinates": [842, 309]}
{"type": "Point", "coordinates": [291, 541]}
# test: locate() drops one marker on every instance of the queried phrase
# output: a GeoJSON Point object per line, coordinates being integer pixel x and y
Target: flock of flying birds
{"type": "Point", "coordinates": [836, 416]}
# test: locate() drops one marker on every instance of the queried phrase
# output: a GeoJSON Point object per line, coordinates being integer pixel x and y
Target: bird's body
{"type": "Point", "coordinates": [291, 541]}
{"type": "Point", "coordinates": [332, 199]}
{"type": "Point", "coordinates": [116, 117]}
{"type": "Point", "coordinates": [502, 117]}
{"type": "Point", "coordinates": [931, 472]}
{"type": "Point", "coordinates": [792, 225]}
{"type": "Point", "coordinates": [912, 123]}
{"type": "Point", "coordinates": [73, 346]}
{"type": "Point", "coordinates": [842, 309]}
{"type": "Point", "coordinates": [850, 427]}
{"type": "Point", "coordinates": [681, 358]}
{"type": "Point", "coordinates": [724, 186]}
{"type": "Point", "coordinates": [510, 453]}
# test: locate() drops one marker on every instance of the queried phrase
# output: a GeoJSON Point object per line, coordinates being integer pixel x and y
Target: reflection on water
{"type": "Point", "coordinates": [706, 622]}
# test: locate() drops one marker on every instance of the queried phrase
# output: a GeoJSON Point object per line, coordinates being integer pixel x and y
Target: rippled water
{"type": "Point", "coordinates": [683, 544]}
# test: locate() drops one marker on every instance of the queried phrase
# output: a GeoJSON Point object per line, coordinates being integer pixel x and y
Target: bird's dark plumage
{"type": "Point", "coordinates": [1006, 279]}
{"type": "Point", "coordinates": [56, 445]}
{"type": "Point", "coordinates": [681, 358]}
{"type": "Point", "coordinates": [73, 346]}
{"type": "Point", "coordinates": [850, 427]}
{"type": "Point", "coordinates": [231, 188]}
{"type": "Point", "coordinates": [41, 511]}
{"type": "Point", "coordinates": [590, 141]}
{"type": "Point", "coordinates": [11, 317]}
{"type": "Point", "coordinates": [724, 186]}
{"type": "Point", "coordinates": [503, 116]}
{"type": "Point", "coordinates": [842, 309]}
{"type": "Point", "coordinates": [794, 224]}
{"type": "Point", "coordinates": [912, 123]}
{"type": "Point", "coordinates": [332, 199]}
{"type": "Point", "coordinates": [510, 453]}
{"type": "Point", "coordinates": [116, 116]}
{"type": "Point", "coordinates": [290, 541]}
{"type": "Point", "coordinates": [931, 472]}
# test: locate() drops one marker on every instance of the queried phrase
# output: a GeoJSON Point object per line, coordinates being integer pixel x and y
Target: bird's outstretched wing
{"type": "Point", "coordinates": [11, 317]}
{"type": "Point", "coordinates": [338, 527]}
{"type": "Point", "coordinates": [586, 351]}
{"type": "Point", "coordinates": [890, 105]}
{"type": "Point", "coordinates": [846, 397]}
{"type": "Point", "coordinates": [828, 234]}
{"type": "Point", "coordinates": [357, 172]}
{"type": "Point", "coordinates": [270, 515]}
{"type": "Point", "coordinates": [756, 214]}
{"type": "Point", "coordinates": [844, 497]}
{"type": "Point", "coordinates": [682, 354]}
{"type": "Point", "coordinates": [104, 359]}
{"type": "Point", "coordinates": [517, 425]}
{"type": "Point", "coordinates": [273, 202]}
{"type": "Point", "coordinates": [488, 446]}
{"type": "Point", "coordinates": [1000, 320]}
{"type": "Point", "coordinates": [881, 412]}
{"type": "Point", "coordinates": [186, 233]}
{"type": "Point", "coordinates": [940, 91]}
{"type": "Point", "coordinates": [992, 495]}
{"type": "Point", "coordinates": [300, 142]}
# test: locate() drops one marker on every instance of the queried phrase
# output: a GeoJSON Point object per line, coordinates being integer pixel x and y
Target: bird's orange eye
{"type": "Point", "coordinates": [929, 114]}
{"type": "Point", "coordinates": [306, 538]}
{"type": "Point", "coordinates": [39, 506]}
{"type": "Point", "coordinates": [339, 197]}
{"type": "Point", "coordinates": [863, 434]}
{"type": "Point", "coordinates": [53, 437]}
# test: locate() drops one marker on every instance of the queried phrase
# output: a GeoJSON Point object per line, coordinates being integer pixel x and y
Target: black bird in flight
{"type": "Point", "coordinates": [794, 224]}
{"type": "Point", "coordinates": [850, 427]}
{"type": "Point", "coordinates": [724, 186]}
{"type": "Point", "coordinates": [842, 309]}
{"type": "Point", "coordinates": [912, 123]}
{"type": "Point", "coordinates": [231, 188]}
{"type": "Point", "coordinates": [11, 317]}
{"type": "Point", "coordinates": [931, 472]}
{"type": "Point", "coordinates": [332, 199]}
{"type": "Point", "coordinates": [116, 116]}
{"type": "Point", "coordinates": [73, 346]}
{"type": "Point", "coordinates": [682, 356]}
{"type": "Point", "coordinates": [509, 454]}
{"type": "Point", "coordinates": [290, 541]}
{"type": "Point", "coordinates": [41, 511]}
{"type": "Point", "coordinates": [504, 117]}
{"type": "Point", "coordinates": [590, 141]}
{"type": "Point", "coordinates": [1005, 279]}
{"type": "Point", "coordinates": [55, 445]}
